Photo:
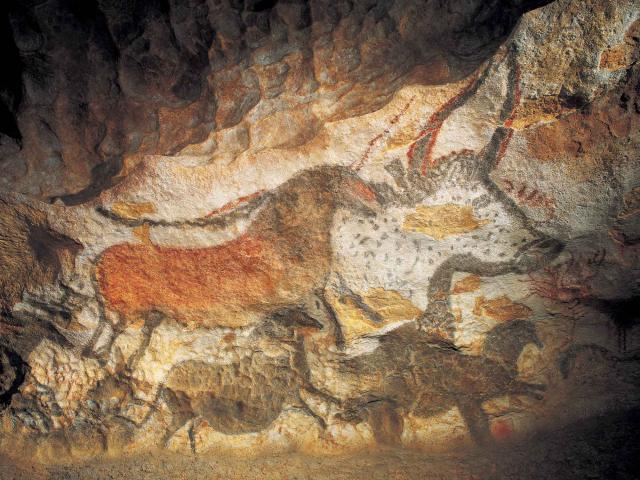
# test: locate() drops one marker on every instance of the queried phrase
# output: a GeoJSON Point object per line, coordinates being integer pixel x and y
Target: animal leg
{"type": "Point", "coordinates": [476, 420]}
{"type": "Point", "coordinates": [181, 413]}
{"type": "Point", "coordinates": [385, 421]}
{"type": "Point", "coordinates": [88, 350]}
{"type": "Point", "coordinates": [309, 411]}
{"type": "Point", "coordinates": [151, 323]}
{"type": "Point", "coordinates": [192, 435]}
{"type": "Point", "coordinates": [308, 390]}
{"type": "Point", "coordinates": [357, 299]}
{"type": "Point", "coordinates": [438, 321]}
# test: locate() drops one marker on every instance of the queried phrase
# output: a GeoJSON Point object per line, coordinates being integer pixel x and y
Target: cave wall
{"type": "Point", "coordinates": [257, 227]}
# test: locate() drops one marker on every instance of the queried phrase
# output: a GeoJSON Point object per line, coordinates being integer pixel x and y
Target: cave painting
{"type": "Point", "coordinates": [477, 229]}
{"type": "Point", "coordinates": [441, 221]}
{"type": "Point", "coordinates": [340, 247]}
{"type": "Point", "coordinates": [437, 376]}
{"type": "Point", "coordinates": [287, 257]}
{"type": "Point", "coordinates": [282, 259]}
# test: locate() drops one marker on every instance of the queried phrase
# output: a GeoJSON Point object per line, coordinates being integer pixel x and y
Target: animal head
{"type": "Point", "coordinates": [444, 214]}
{"type": "Point", "coordinates": [505, 342]}
{"type": "Point", "coordinates": [327, 187]}
{"type": "Point", "coordinates": [284, 322]}
{"type": "Point", "coordinates": [31, 253]}
{"type": "Point", "coordinates": [499, 230]}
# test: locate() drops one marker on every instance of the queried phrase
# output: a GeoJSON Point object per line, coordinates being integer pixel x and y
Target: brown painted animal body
{"type": "Point", "coordinates": [411, 372]}
{"type": "Point", "coordinates": [279, 261]}
{"type": "Point", "coordinates": [249, 394]}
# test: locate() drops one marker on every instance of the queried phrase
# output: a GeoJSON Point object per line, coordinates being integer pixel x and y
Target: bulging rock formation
{"type": "Point", "coordinates": [258, 227]}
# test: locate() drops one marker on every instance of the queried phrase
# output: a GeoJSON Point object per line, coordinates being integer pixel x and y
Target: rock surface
{"type": "Point", "coordinates": [268, 227]}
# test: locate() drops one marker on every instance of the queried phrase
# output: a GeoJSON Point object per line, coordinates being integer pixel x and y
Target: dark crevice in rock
{"type": "Point", "coordinates": [10, 81]}
{"type": "Point", "coordinates": [12, 373]}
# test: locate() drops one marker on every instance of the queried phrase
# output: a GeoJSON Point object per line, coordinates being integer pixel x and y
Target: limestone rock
{"type": "Point", "coordinates": [257, 227]}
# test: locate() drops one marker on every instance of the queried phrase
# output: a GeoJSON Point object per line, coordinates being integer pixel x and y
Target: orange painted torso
{"type": "Point", "coordinates": [220, 280]}
{"type": "Point", "coordinates": [284, 256]}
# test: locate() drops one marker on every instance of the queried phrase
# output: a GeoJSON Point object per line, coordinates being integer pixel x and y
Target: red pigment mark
{"type": "Point", "coordinates": [357, 165]}
{"type": "Point", "coordinates": [528, 196]}
{"type": "Point", "coordinates": [428, 160]}
{"type": "Point", "coordinates": [138, 277]}
{"type": "Point", "coordinates": [621, 242]}
{"type": "Point", "coordinates": [433, 125]}
{"type": "Point", "coordinates": [361, 189]}
{"type": "Point", "coordinates": [227, 207]}
{"type": "Point", "coordinates": [501, 429]}
{"type": "Point", "coordinates": [437, 118]}
{"type": "Point", "coordinates": [502, 150]}
{"type": "Point", "coordinates": [568, 283]}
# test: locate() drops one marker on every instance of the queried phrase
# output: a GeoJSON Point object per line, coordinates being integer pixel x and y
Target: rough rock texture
{"type": "Point", "coordinates": [95, 86]}
{"type": "Point", "coordinates": [267, 227]}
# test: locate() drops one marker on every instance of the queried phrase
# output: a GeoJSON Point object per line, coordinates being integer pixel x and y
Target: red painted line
{"type": "Point", "coordinates": [509, 121]}
{"type": "Point", "coordinates": [433, 125]}
{"type": "Point", "coordinates": [618, 238]}
{"type": "Point", "coordinates": [427, 160]}
{"type": "Point", "coordinates": [503, 147]}
{"type": "Point", "coordinates": [522, 191]}
{"type": "Point", "coordinates": [227, 207]}
{"type": "Point", "coordinates": [508, 185]}
{"type": "Point", "coordinates": [357, 165]}
{"type": "Point", "coordinates": [529, 196]}
{"type": "Point", "coordinates": [437, 119]}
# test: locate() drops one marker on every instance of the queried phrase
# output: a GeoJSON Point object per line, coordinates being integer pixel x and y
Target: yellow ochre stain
{"type": "Point", "coordinates": [132, 211]}
{"type": "Point", "coordinates": [470, 283]}
{"type": "Point", "coordinates": [441, 221]}
{"type": "Point", "coordinates": [353, 321]}
{"type": "Point", "coordinates": [523, 122]}
{"type": "Point", "coordinates": [389, 304]}
{"type": "Point", "coordinates": [501, 308]}
{"type": "Point", "coordinates": [142, 234]}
